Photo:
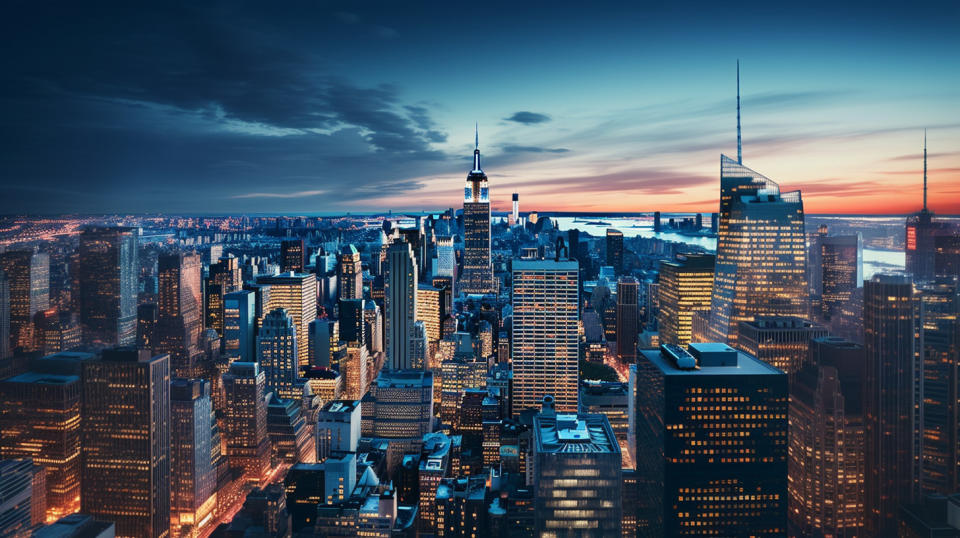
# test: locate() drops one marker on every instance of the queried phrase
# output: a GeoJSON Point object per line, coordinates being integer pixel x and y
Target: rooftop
{"type": "Point", "coordinates": [711, 359]}
{"type": "Point", "coordinates": [43, 379]}
{"type": "Point", "coordinates": [340, 406]}
{"type": "Point", "coordinates": [574, 434]}
{"type": "Point", "coordinates": [545, 265]}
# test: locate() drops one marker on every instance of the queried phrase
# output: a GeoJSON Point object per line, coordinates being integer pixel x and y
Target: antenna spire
{"type": "Point", "coordinates": [924, 169]}
{"type": "Point", "coordinates": [739, 143]}
{"type": "Point", "coordinates": [476, 147]}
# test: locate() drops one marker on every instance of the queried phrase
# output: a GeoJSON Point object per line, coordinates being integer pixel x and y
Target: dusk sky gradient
{"type": "Point", "coordinates": [305, 107]}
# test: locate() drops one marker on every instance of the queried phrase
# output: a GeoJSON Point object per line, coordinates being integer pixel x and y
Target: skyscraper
{"type": "Point", "coordinates": [783, 342]}
{"type": "Point", "coordinates": [615, 250]}
{"type": "Point", "coordinates": [245, 431]}
{"type": "Point", "coordinates": [324, 339]}
{"type": "Point", "coordinates": [227, 272]}
{"type": "Point", "coordinates": [179, 308]}
{"type": "Point", "coordinates": [477, 274]}
{"type": "Point", "coordinates": [711, 442]}
{"type": "Point", "coordinates": [107, 272]}
{"type": "Point", "coordinates": [239, 322]}
{"type": "Point", "coordinates": [277, 354]}
{"type": "Point", "coordinates": [353, 368]}
{"type": "Point", "coordinates": [16, 496]}
{"type": "Point", "coordinates": [400, 304]}
{"type": "Point", "coordinates": [685, 287]}
{"type": "Point", "coordinates": [297, 293]}
{"type": "Point", "coordinates": [28, 275]}
{"type": "Point", "coordinates": [193, 477]}
{"type": "Point", "coordinates": [545, 333]}
{"type": "Point", "coordinates": [921, 231]}
{"type": "Point", "coordinates": [889, 380]}
{"type": "Point", "coordinates": [515, 214]}
{"type": "Point", "coordinates": [577, 474]}
{"type": "Point", "coordinates": [402, 405]}
{"type": "Point", "coordinates": [628, 318]}
{"type": "Point", "coordinates": [430, 312]}
{"type": "Point", "coordinates": [841, 272]}
{"type": "Point", "coordinates": [40, 420]}
{"type": "Point", "coordinates": [350, 273]}
{"type": "Point", "coordinates": [126, 441]}
{"type": "Point", "coordinates": [338, 428]}
{"type": "Point", "coordinates": [292, 256]}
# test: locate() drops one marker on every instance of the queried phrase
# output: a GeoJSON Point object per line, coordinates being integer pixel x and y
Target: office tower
{"type": "Point", "coordinates": [888, 330]}
{"type": "Point", "coordinates": [107, 271]}
{"type": "Point", "coordinates": [28, 276]}
{"type": "Point", "coordinates": [430, 312]}
{"type": "Point", "coordinates": [325, 383]}
{"type": "Point", "coordinates": [608, 398]}
{"type": "Point", "coordinates": [435, 464]}
{"type": "Point", "coordinates": [213, 305]}
{"type": "Point", "coordinates": [57, 331]}
{"type": "Point", "coordinates": [783, 342]}
{"type": "Point", "coordinates": [16, 495]}
{"type": "Point", "coordinates": [264, 513]}
{"type": "Point", "coordinates": [615, 250]}
{"type": "Point", "coordinates": [477, 274]}
{"type": "Point", "coordinates": [277, 354]}
{"type": "Point", "coordinates": [373, 327]}
{"type": "Point", "coordinates": [125, 474]}
{"type": "Point", "coordinates": [826, 463]}
{"type": "Point", "coordinates": [193, 477]}
{"type": "Point", "coordinates": [352, 328]}
{"type": "Point", "coordinates": [402, 404]}
{"type": "Point", "coordinates": [239, 322]}
{"type": "Point", "coordinates": [353, 368]}
{"type": "Point", "coordinates": [696, 482]}
{"type": "Point", "coordinates": [418, 346]}
{"type": "Point", "coordinates": [338, 428]}
{"type": "Point", "coordinates": [685, 287]}
{"type": "Point", "coordinates": [324, 338]}
{"type": "Point", "coordinates": [146, 325]}
{"type": "Point", "coordinates": [545, 333]}
{"type": "Point", "coordinates": [461, 507]}
{"type": "Point", "coordinates": [947, 257]}
{"type": "Point", "coordinates": [576, 473]}
{"type": "Point", "coordinates": [515, 214]}
{"type": "Point", "coordinates": [921, 231]}
{"type": "Point", "coordinates": [305, 486]}
{"type": "Point", "coordinates": [179, 310]}
{"type": "Point", "coordinates": [297, 293]}
{"type": "Point", "coordinates": [938, 348]}
{"type": "Point", "coordinates": [40, 420]}
{"type": "Point", "coordinates": [291, 439]}
{"type": "Point", "coordinates": [292, 256]}
{"type": "Point", "coordinates": [446, 263]}
{"type": "Point", "coordinates": [841, 272]}
{"type": "Point", "coordinates": [227, 272]}
{"type": "Point", "coordinates": [628, 319]}
{"type": "Point", "coordinates": [350, 273]}
{"type": "Point", "coordinates": [5, 343]}
{"type": "Point", "coordinates": [245, 431]}
{"type": "Point", "coordinates": [400, 304]}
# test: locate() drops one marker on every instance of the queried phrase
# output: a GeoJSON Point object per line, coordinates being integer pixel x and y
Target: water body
{"type": "Point", "coordinates": [874, 260]}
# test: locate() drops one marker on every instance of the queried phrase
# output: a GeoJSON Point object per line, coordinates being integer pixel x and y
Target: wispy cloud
{"type": "Point", "coordinates": [528, 118]}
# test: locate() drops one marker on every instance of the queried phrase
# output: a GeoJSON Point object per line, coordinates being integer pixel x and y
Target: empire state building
{"type": "Point", "coordinates": [477, 269]}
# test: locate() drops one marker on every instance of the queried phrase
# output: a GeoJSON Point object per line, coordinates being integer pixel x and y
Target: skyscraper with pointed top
{"type": "Point", "coordinates": [477, 269]}
{"type": "Point", "coordinates": [921, 232]}
{"type": "Point", "coordinates": [761, 251]}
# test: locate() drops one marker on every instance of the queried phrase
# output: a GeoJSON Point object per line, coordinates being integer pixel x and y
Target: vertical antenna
{"type": "Point", "coordinates": [476, 147]}
{"type": "Point", "coordinates": [924, 169]}
{"type": "Point", "coordinates": [739, 143]}
{"type": "Point", "coordinates": [476, 135]}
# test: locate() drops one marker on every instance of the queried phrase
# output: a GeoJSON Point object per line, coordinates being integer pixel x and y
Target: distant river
{"type": "Point", "coordinates": [874, 260]}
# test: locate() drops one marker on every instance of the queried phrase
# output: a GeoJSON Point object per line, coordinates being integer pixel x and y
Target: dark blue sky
{"type": "Point", "coordinates": [310, 106]}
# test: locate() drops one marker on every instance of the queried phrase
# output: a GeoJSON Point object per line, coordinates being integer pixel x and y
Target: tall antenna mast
{"type": "Point", "coordinates": [924, 169]}
{"type": "Point", "coordinates": [739, 143]}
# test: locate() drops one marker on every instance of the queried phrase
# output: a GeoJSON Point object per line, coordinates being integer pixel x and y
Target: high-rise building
{"type": "Point", "coordinates": [292, 256]}
{"type": "Point", "coordinates": [179, 309]}
{"type": "Point", "coordinates": [291, 439]}
{"type": "Point", "coordinates": [373, 327]}
{"type": "Point", "coordinates": [889, 384]}
{"type": "Point", "coordinates": [193, 454]}
{"type": "Point", "coordinates": [353, 368]}
{"type": "Point", "coordinates": [461, 507]}
{"type": "Point", "coordinates": [783, 342]}
{"type": "Point", "coordinates": [515, 214]}
{"type": "Point", "coordinates": [245, 431]}
{"type": "Point", "coordinates": [947, 257]}
{"type": "Point", "coordinates": [227, 272]}
{"type": "Point", "coordinates": [938, 347]}
{"type": "Point", "coordinates": [239, 324]}
{"type": "Point", "coordinates": [352, 328]}
{"type": "Point", "coordinates": [107, 273]}
{"type": "Point", "coordinates": [477, 274]}
{"type": "Point", "coordinates": [576, 473]}
{"type": "Point", "coordinates": [615, 250]}
{"type": "Point", "coordinates": [146, 325]}
{"type": "Point", "coordinates": [350, 273]}
{"type": "Point", "coordinates": [28, 275]}
{"type": "Point", "coordinates": [711, 442]}
{"type": "Point", "coordinates": [324, 339]}
{"type": "Point", "coordinates": [841, 272]}
{"type": "Point", "coordinates": [628, 317]}
{"type": "Point", "coordinates": [338, 428]}
{"type": "Point", "coordinates": [297, 293]}
{"type": "Point", "coordinates": [430, 312]}
{"type": "Point", "coordinates": [40, 420]}
{"type": "Point", "coordinates": [402, 404]}
{"type": "Point", "coordinates": [400, 304]}
{"type": "Point", "coordinates": [826, 463]}
{"type": "Point", "coordinates": [213, 305]}
{"type": "Point", "coordinates": [920, 235]}
{"type": "Point", "coordinates": [545, 333]}
{"type": "Point", "coordinates": [126, 441]}
{"type": "Point", "coordinates": [16, 496]}
{"type": "Point", "coordinates": [685, 287]}
{"type": "Point", "coordinates": [277, 354]}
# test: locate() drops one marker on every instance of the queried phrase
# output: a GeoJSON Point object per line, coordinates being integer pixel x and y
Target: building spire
{"type": "Point", "coordinates": [739, 144]}
{"type": "Point", "coordinates": [476, 148]}
{"type": "Point", "coordinates": [924, 169]}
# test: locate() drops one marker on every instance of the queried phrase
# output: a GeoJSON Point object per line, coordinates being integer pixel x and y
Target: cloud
{"type": "Point", "coordinates": [532, 149]}
{"type": "Point", "coordinates": [528, 118]}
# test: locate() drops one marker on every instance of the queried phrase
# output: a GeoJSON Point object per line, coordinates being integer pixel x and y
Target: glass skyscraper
{"type": "Point", "coordinates": [477, 274]}
{"type": "Point", "coordinates": [107, 273]}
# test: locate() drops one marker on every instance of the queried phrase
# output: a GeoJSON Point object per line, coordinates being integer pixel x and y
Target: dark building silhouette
{"type": "Point", "coordinates": [292, 256]}
{"type": "Point", "coordinates": [615, 250]}
{"type": "Point", "coordinates": [107, 272]}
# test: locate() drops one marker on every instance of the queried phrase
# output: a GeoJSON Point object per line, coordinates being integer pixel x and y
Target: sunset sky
{"type": "Point", "coordinates": [321, 107]}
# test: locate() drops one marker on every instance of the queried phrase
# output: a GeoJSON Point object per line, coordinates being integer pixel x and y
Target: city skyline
{"type": "Point", "coordinates": [326, 108]}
